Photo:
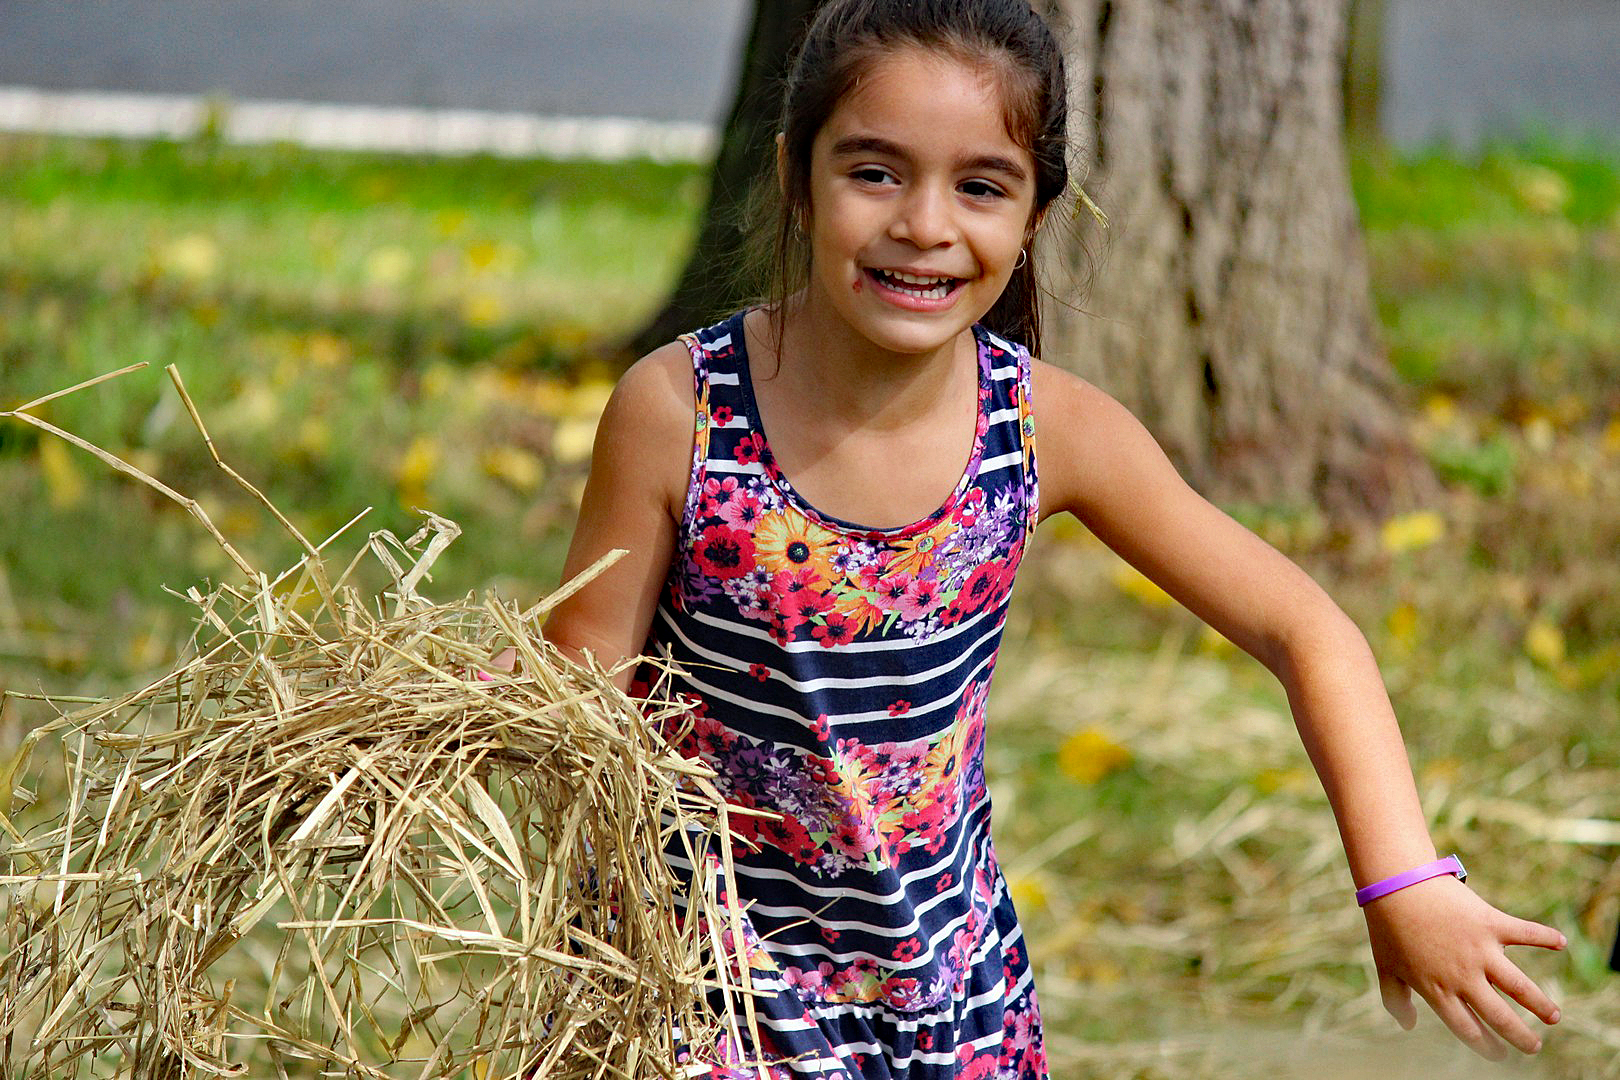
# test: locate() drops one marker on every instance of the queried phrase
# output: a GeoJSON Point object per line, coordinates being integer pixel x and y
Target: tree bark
{"type": "Point", "coordinates": [1232, 312]}
{"type": "Point", "coordinates": [713, 283]}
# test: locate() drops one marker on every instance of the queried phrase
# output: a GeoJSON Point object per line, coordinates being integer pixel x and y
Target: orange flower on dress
{"type": "Point", "coordinates": [792, 542]}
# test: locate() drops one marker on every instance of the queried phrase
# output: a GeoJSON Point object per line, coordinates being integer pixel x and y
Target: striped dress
{"type": "Point", "coordinates": [838, 676]}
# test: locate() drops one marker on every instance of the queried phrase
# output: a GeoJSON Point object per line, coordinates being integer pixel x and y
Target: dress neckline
{"type": "Point", "coordinates": [775, 475]}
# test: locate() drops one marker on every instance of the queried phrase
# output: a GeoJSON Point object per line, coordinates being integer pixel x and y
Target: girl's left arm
{"type": "Point", "coordinates": [1100, 464]}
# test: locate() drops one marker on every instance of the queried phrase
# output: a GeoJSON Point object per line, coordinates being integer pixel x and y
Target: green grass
{"type": "Point", "coordinates": [385, 332]}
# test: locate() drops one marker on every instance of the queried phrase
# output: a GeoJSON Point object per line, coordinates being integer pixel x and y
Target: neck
{"type": "Point", "coordinates": [821, 358]}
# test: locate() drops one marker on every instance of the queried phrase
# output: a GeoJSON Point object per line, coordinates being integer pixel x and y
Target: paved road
{"type": "Point", "coordinates": [1454, 66]}
{"type": "Point", "coordinates": [658, 59]}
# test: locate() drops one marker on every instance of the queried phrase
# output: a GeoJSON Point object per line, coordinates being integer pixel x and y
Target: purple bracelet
{"type": "Point", "coordinates": [1448, 865]}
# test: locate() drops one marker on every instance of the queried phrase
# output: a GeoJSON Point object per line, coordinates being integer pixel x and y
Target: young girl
{"type": "Point", "coordinates": [824, 501]}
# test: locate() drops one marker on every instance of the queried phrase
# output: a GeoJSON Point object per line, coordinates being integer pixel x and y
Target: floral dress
{"type": "Point", "coordinates": [838, 676]}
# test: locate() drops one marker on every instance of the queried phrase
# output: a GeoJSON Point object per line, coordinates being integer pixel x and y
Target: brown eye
{"type": "Point", "coordinates": [871, 174]}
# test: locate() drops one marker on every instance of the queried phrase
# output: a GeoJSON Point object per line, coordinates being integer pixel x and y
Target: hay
{"type": "Point", "coordinates": [333, 843]}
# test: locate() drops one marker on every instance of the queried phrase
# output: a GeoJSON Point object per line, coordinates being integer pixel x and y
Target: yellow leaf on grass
{"type": "Point", "coordinates": [415, 469]}
{"type": "Point", "coordinates": [572, 440]}
{"type": "Point", "coordinates": [64, 483]}
{"type": "Point", "coordinates": [1291, 780]}
{"type": "Point", "coordinates": [1412, 532]}
{"type": "Point", "coordinates": [1540, 189]}
{"type": "Point", "coordinates": [1611, 436]}
{"type": "Point", "coordinates": [1089, 755]}
{"type": "Point", "coordinates": [1441, 409]}
{"type": "Point", "coordinates": [1544, 642]}
{"type": "Point", "coordinates": [388, 265]}
{"type": "Point", "coordinates": [1133, 583]}
{"type": "Point", "coordinates": [1440, 772]}
{"type": "Point", "coordinates": [1028, 894]}
{"type": "Point", "coordinates": [1402, 624]}
{"type": "Point", "coordinates": [193, 256]}
{"type": "Point", "coordinates": [520, 468]}
{"type": "Point", "coordinates": [589, 398]}
{"type": "Point", "coordinates": [483, 309]}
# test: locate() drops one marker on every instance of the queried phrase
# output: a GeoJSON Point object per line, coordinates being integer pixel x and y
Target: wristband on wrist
{"type": "Point", "coordinates": [1448, 865]}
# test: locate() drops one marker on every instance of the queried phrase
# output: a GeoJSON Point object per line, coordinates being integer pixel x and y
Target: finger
{"type": "Point", "coordinates": [1489, 1006]}
{"type": "Point", "coordinates": [1398, 1001]}
{"type": "Point", "coordinates": [1467, 1027]}
{"type": "Point", "coordinates": [1516, 931]}
{"type": "Point", "coordinates": [1507, 977]}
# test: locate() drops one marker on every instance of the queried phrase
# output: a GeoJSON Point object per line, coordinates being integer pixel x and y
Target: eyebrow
{"type": "Point", "coordinates": [854, 145]}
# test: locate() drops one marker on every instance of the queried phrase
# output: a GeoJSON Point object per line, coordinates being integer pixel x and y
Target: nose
{"type": "Point", "coordinates": [923, 218]}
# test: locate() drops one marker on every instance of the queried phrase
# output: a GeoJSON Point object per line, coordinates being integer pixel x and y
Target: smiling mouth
{"type": "Point", "coordinates": [924, 287]}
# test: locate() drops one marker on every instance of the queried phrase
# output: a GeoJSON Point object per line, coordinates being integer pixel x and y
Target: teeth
{"type": "Point", "coordinates": [913, 279]}
{"type": "Point", "coordinates": [935, 288]}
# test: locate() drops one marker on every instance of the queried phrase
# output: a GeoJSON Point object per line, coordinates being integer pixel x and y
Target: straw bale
{"type": "Point", "coordinates": [337, 841]}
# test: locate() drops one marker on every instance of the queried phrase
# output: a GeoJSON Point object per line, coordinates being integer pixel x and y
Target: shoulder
{"type": "Point", "coordinates": [1092, 449]}
{"type": "Point", "coordinates": [646, 431]}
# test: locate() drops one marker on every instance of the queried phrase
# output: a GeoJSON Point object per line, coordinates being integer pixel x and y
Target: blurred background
{"type": "Point", "coordinates": [395, 249]}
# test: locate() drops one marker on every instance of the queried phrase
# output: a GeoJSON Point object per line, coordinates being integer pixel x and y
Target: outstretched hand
{"type": "Point", "coordinates": [1440, 939]}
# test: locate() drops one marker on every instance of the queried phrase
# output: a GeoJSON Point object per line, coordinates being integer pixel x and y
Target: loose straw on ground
{"type": "Point", "coordinates": [334, 843]}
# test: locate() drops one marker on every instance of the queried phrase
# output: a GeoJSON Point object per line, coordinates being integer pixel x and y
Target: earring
{"type": "Point", "coordinates": [1023, 257]}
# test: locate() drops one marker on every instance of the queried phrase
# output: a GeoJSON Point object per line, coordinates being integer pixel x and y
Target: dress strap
{"type": "Point", "coordinates": [1026, 437]}
{"type": "Point", "coordinates": [702, 422]}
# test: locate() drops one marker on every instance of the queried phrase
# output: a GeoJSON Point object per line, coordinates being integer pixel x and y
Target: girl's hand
{"type": "Point", "coordinates": [1440, 939]}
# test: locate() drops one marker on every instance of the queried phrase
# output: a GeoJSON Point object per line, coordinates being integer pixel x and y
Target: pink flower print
{"type": "Point", "coordinates": [806, 979]}
{"type": "Point", "coordinates": [865, 965]}
{"type": "Point", "coordinates": [925, 1040]}
{"type": "Point", "coordinates": [908, 949]}
{"type": "Point", "coordinates": [891, 591]}
{"type": "Point", "coordinates": [944, 881]}
{"type": "Point", "coordinates": [981, 1067]}
{"type": "Point", "coordinates": [722, 416]}
{"type": "Point", "coordinates": [853, 839]}
{"type": "Point", "coordinates": [750, 449]}
{"type": "Point", "coordinates": [717, 492]}
{"type": "Point", "coordinates": [759, 671]}
{"type": "Point", "coordinates": [742, 511]}
{"type": "Point", "coordinates": [920, 599]}
{"type": "Point", "coordinates": [822, 729]}
{"type": "Point", "coordinates": [723, 552]}
{"type": "Point", "coordinates": [900, 708]}
{"type": "Point", "coordinates": [835, 630]}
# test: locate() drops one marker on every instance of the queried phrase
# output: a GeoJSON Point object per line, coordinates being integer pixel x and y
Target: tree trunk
{"type": "Point", "coordinates": [713, 285]}
{"type": "Point", "coordinates": [1232, 312]}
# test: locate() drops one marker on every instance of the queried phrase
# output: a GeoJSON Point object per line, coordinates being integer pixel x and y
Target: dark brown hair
{"type": "Point", "coordinates": [844, 38]}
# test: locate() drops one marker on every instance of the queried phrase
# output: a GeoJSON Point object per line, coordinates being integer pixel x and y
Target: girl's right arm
{"type": "Point", "coordinates": [633, 499]}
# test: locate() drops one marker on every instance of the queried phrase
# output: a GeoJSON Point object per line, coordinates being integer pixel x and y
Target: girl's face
{"type": "Point", "coordinates": [920, 202]}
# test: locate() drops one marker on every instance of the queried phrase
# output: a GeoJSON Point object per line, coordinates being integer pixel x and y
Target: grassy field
{"type": "Point", "coordinates": [390, 333]}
